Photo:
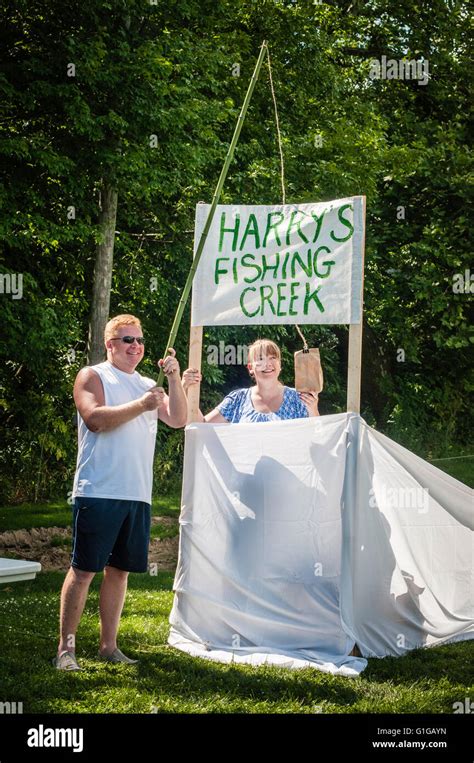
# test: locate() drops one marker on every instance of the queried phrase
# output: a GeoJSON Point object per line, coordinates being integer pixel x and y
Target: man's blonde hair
{"type": "Point", "coordinates": [120, 320]}
{"type": "Point", "coordinates": [263, 348]}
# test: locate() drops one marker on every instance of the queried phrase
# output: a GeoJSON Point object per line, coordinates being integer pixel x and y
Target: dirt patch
{"type": "Point", "coordinates": [165, 521]}
{"type": "Point", "coordinates": [164, 553]}
{"type": "Point", "coordinates": [51, 546]}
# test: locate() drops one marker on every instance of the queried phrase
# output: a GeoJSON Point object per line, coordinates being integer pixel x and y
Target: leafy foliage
{"type": "Point", "coordinates": [152, 105]}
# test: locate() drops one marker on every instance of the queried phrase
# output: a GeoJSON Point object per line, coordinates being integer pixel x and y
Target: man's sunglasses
{"type": "Point", "coordinates": [130, 339]}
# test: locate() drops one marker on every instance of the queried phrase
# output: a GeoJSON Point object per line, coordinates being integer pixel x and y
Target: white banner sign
{"type": "Point", "coordinates": [293, 263]}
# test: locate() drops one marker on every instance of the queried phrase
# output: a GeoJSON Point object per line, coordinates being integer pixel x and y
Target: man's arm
{"type": "Point", "coordinates": [174, 411]}
{"type": "Point", "coordinates": [98, 417]}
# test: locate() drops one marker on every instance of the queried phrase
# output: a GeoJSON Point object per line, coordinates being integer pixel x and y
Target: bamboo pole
{"type": "Point", "coordinates": [215, 199]}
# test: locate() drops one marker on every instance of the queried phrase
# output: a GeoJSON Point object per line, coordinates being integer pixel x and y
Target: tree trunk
{"type": "Point", "coordinates": [102, 276]}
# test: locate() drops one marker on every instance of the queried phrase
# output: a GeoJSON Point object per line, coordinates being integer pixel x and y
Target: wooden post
{"type": "Point", "coordinates": [354, 366]}
{"type": "Point", "coordinates": [195, 356]}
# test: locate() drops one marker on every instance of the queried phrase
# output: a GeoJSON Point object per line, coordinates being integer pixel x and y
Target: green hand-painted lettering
{"type": "Point", "coordinates": [251, 230]}
{"type": "Point", "coordinates": [242, 305]}
{"type": "Point", "coordinates": [312, 297]}
{"type": "Point", "coordinates": [273, 226]}
{"type": "Point", "coordinates": [234, 230]}
{"type": "Point", "coordinates": [219, 271]}
{"type": "Point", "coordinates": [345, 222]}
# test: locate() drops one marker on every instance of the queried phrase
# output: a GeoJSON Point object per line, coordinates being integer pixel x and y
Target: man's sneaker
{"type": "Point", "coordinates": [117, 656]}
{"type": "Point", "coordinates": [66, 661]}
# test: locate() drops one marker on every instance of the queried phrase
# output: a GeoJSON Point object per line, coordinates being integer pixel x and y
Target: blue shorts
{"type": "Point", "coordinates": [111, 532]}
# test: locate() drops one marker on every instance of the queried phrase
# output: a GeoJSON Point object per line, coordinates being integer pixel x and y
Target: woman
{"type": "Point", "coordinates": [267, 400]}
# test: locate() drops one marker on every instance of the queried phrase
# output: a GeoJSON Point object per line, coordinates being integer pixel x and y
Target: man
{"type": "Point", "coordinates": [118, 411]}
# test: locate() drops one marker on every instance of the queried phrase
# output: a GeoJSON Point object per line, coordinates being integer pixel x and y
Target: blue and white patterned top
{"type": "Point", "coordinates": [237, 406]}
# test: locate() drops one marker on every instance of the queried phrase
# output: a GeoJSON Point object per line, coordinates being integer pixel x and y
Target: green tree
{"type": "Point", "coordinates": [146, 118]}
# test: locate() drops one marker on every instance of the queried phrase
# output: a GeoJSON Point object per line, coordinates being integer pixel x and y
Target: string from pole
{"type": "Point", "coordinates": [282, 162]}
{"type": "Point", "coordinates": [277, 124]}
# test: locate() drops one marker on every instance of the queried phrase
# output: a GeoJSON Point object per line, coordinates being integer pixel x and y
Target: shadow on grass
{"type": "Point", "coordinates": [454, 661]}
{"type": "Point", "coordinates": [176, 682]}
{"type": "Point", "coordinates": [179, 674]}
{"type": "Point", "coordinates": [170, 679]}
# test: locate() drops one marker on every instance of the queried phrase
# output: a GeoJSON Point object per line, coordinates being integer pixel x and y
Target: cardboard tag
{"type": "Point", "coordinates": [308, 371]}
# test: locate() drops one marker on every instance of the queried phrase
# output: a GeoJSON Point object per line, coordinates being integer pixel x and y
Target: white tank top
{"type": "Point", "coordinates": [118, 464]}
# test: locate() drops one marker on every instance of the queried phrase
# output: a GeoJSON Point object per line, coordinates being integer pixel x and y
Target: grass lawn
{"type": "Point", "coordinates": [459, 467]}
{"type": "Point", "coordinates": [425, 681]}
{"type": "Point", "coordinates": [59, 514]}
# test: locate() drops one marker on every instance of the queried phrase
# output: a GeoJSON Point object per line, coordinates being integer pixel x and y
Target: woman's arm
{"type": "Point", "coordinates": [215, 417]}
{"type": "Point", "coordinates": [193, 376]}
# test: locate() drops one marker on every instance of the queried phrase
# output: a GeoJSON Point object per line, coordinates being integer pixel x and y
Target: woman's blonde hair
{"type": "Point", "coordinates": [263, 348]}
{"type": "Point", "coordinates": [120, 320]}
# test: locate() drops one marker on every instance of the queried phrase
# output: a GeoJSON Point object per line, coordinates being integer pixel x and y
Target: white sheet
{"type": "Point", "coordinates": [408, 569]}
{"type": "Point", "coordinates": [267, 509]}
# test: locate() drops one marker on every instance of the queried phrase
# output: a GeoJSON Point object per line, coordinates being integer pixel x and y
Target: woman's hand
{"type": "Point", "coordinates": [310, 399]}
{"type": "Point", "coordinates": [191, 376]}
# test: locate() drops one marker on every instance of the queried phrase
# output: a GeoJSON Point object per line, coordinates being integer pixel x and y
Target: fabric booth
{"type": "Point", "coordinates": [301, 538]}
